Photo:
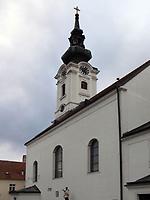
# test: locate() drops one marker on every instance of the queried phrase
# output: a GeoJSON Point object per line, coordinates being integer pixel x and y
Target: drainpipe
{"type": "Point", "coordinates": [120, 143]}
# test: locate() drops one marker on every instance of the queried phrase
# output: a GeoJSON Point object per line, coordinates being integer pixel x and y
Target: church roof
{"type": "Point", "coordinates": [90, 101]}
{"type": "Point", "coordinates": [76, 52]}
{"type": "Point", "coordinates": [141, 181]}
{"type": "Point", "coordinates": [31, 189]}
{"type": "Point", "coordinates": [11, 170]}
{"type": "Point", "coordinates": [137, 130]}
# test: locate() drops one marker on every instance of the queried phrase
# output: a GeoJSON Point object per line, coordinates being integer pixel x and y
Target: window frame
{"type": "Point", "coordinates": [35, 171]}
{"type": "Point", "coordinates": [12, 187]}
{"type": "Point", "coordinates": [58, 162]}
{"type": "Point", "coordinates": [84, 85]}
{"type": "Point", "coordinates": [93, 156]}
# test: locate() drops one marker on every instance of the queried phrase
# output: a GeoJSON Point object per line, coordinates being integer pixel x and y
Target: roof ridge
{"type": "Point", "coordinates": [11, 161]}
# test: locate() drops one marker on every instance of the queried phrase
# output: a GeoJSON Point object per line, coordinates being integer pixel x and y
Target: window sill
{"type": "Point", "coordinates": [96, 172]}
{"type": "Point", "coordinates": [54, 178]}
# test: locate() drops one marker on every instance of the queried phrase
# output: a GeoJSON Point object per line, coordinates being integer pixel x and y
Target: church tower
{"type": "Point", "coordinates": [76, 78]}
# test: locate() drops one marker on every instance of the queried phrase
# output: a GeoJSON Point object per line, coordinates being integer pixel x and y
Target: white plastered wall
{"type": "Point", "coordinates": [100, 121]}
{"type": "Point", "coordinates": [72, 80]}
{"type": "Point", "coordinates": [4, 187]}
{"type": "Point", "coordinates": [135, 102]}
{"type": "Point", "coordinates": [135, 111]}
{"type": "Point", "coordinates": [136, 160]}
{"type": "Point", "coordinates": [135, 190]}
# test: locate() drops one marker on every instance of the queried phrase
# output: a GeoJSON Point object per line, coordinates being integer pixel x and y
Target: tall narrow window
{"type": "Point", "coordinates": [58, 162]}
{"type": "Point", "coordinates": [35, 171]}
{"type": "Point", "coordinates": [93, 155]}
{"type": "Point", "coordinates": [63, 90]}
{"type": "Point", "coordinates": [84, 85]}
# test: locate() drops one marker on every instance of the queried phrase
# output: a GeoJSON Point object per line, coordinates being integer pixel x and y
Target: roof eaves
{"type": "Point", "coordinates": [142, 181]}
{"type": "Point", "coordinates": [137, 130]}
{"type": "Point", "coordinates": [137, 183]}
{"type": "Point", "coordinates": [31, 189]}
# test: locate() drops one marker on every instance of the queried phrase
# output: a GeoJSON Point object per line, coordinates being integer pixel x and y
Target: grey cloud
{"type": "Point", "coordinates": [33, 37]}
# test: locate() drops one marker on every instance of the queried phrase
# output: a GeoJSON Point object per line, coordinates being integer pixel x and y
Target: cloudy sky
{"type": "Point", "coordinates": [33, 37]}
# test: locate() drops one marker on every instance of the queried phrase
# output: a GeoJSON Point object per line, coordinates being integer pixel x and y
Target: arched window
{"type": "Point", "coordinates": [35, 171]}
{"type": "Point", "coordinates": [58, 162]}
{"type": "Point", "coordinates": [93, 155]}
{"type": "Point", "coordinates": [62, 107]}
{"type": "Point", "coordinates": [63, 90]}
{"type": "Point", "coordinates": [84, 85]}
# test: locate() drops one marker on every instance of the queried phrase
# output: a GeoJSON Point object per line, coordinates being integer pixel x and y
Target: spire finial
{"type": "Point", "coordinates": [76, 52]}
{"type": "Point", "coordinates": [77, 10]}
{"type": "Point", "coordinates": [76, 25]}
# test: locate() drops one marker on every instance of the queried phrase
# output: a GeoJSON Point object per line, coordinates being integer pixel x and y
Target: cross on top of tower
{"type": "Point", "coordinates": [77, 9]}
{"type": "Point", "coordinates": [76, 52]}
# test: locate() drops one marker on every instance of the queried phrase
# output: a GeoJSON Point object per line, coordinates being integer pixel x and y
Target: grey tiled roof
{"type": "Point", "coordinates": [31, 189]}
{"type": "Point", "coordinates": [141, 181]}
{"type": "Point", "coordinates": [137, 130]}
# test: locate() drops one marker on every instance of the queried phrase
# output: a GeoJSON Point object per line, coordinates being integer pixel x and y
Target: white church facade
{"type": "Point", "coordinates": [98, 147]}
